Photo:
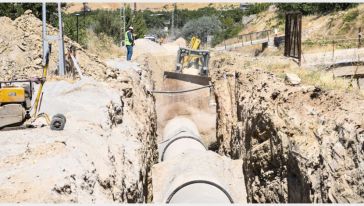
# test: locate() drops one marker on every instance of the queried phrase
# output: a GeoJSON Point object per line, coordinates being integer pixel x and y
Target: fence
{"type": "Point", "coordinates": [254, 36]}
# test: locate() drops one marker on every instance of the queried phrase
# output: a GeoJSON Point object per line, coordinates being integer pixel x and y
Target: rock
{"type": "Point", "coordinates": [306, 89]}
{"type": "Point", "coordinates": [292, 79]}
{"type": "Point", "coordinates": [38, 61]}
{"type": "Point", "coordinates": [123, 79]}
{"type": "Point", "coordinates": [110, 74]}
{"type": "Point", "coordinates": [27, 12]}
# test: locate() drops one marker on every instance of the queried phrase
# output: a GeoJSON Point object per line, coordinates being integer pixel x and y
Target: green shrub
{"type": "Point", "coordinates": [313, 8]}
{"type": "Point", "coordinates": [257, 8]}
{"type": "Point", "coordinates": [350, 16]}
{"type": "Point", "coordinates": [14, 10]}
{"type": "Point", "coordinates": [104, 22]}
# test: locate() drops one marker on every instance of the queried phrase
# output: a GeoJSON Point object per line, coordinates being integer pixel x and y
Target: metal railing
{"type": "Point", "coordinates": [255, 36]}
{"type": "Point", "coordinates": [248, 39]}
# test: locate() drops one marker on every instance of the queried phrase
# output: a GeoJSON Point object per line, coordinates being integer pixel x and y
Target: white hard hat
{"type": "Point", "coordinates": [131, 28]}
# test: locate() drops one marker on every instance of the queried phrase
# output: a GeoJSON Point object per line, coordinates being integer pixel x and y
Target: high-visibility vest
{"type": "Point", "coordinates": [126, 40]}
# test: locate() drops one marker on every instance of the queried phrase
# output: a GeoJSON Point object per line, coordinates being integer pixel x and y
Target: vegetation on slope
{"type": "Point", "coordinates": [313, 8]}
{"type": "Point", "coordinates": [228, 21]}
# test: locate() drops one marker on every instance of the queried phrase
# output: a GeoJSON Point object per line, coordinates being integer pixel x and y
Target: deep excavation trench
{"type": "Point", "coordinates": [187, 171]}
{"type": "Point", "coordinates": [299, 144]}
{"type": "Point", "coordinates": [296, 144]}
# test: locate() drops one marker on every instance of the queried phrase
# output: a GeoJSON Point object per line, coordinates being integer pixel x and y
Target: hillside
{"type": "Point", "coordinates": [333, 25]}
{"type": "Point", "coordinates": [340, 23]}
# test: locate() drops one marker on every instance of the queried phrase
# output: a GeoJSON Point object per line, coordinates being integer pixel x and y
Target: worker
{"type": "Point", "coordinates": [129, 43]}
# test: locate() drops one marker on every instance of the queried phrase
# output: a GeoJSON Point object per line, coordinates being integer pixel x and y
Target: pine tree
{"type": "Point", "coordinates": [139, 25]}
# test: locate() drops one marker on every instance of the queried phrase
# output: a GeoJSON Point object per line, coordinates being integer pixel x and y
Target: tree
{"type": "Point", "coordinates": [108, 25]}
{"type": "Point", "coordinates": [201, 27]}
{"type": "Point", "coordinates": [139, 25]}
{"type": "Point", "coordinates": [154, 20]}
{"type": "Point", "coordinates": [14, 10]}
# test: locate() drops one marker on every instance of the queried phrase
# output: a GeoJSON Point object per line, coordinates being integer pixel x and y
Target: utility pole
{"type": "Point", "coordinates": [77, 15]}
{"type": "Point", "coordinates": [123, 20]}
{"type": "Point", "coordinates": [359, 37]}
{"type": "Point", "coordinates": [176, 13]}
{"type": "Point", "coordinates": [61, 42]}
{"type": "Point", "coordinates": [59, 37]}
{"type": "Point", "coordinates": [84, 15]}
{"type": "Point", "coordinates": [172, 23]}
{"type": "Point", "coordinates": [124, 16]}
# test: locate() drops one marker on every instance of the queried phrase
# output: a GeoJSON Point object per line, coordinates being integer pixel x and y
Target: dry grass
{"type": "Point", "coordinates": [323, 79]}
{"type": "Point", "coordinates": [318, 28]}
{"type": "Point", "coordinates": [103, 46]}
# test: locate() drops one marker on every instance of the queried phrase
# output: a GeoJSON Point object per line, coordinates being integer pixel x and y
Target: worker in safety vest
{"type": "Point", "coordinates": [129, 43]}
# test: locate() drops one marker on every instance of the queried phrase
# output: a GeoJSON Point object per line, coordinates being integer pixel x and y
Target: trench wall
{"type": "Point", "coordinates": [299, 144]}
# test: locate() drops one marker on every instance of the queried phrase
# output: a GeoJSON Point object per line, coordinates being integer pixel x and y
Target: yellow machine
{"type": "Point", "coordinates": [194, 45]}
{"type": "Point", "coordinates": [12, 94]}
{"type": "Point", "coordinates": [15, 102]}
{"type": "Point", "coordinates": [186, 57]}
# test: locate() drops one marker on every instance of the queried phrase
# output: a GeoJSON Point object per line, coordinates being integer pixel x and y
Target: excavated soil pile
{"type": "Point", "coordinates": [21, 50]}
{"type": "Point", "coordinates": [299, 143]}
{"type": "Point", "coordinates": [104, 154]}
{"type": "Point", "coordinates": [144, 46]}
{"type": "Point", "coordinates": [107, 148]}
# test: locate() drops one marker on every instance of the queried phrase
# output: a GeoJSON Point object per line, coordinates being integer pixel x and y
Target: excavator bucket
{"type": "Point", "coordinates": [201, 64]}
{"type": "Point", "coordinates": [195, 79]}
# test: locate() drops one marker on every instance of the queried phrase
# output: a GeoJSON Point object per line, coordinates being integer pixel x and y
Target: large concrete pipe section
{"type": "Point", "coordinates": [179, 136]}
{"type": "Point", "coordinates": [188, 173]}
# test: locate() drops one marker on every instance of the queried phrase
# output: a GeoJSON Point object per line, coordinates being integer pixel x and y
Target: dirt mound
{"type": "Point", "coordinates": [21, 50]}
{"type": "Point", "coordinates": [143, 46]}
{"type": "Point", "coordinates": [181, 42]}
{"type": "Point", "coordinates": [107, 148]}
{"type": "Point", "coordinates": [104, 154]}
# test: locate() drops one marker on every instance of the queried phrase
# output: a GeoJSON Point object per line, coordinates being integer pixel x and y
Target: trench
{"type": "Point", "coordinates": [196, 128]}
{"type": "Point", "coordinates": [244, 125]}
{"type": "Point", "coordinates": [186, 130]}
{"type": "Point", "coordinates": [264, 122]}
{"type": "Point", "coordinates": [246, 132]}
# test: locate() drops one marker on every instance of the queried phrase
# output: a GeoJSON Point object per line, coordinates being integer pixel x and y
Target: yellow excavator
{"type": "Point", "coordinates": [188, 56]}
{"type": "Point", "coordinates": [16, 103]}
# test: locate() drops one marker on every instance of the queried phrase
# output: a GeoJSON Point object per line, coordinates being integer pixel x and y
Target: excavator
{"type": "Point", "coordinates": [16, 103]}
{"type": "Point", "coordinates": [188, 57]}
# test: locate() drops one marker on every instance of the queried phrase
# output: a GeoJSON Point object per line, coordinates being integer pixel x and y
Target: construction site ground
{"type": "Point", "coordinates": [302, 143]}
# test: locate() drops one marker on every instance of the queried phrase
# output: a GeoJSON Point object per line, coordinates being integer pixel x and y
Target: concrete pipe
{"type": "Point", "coordinates": [180, 135]}
{"type": "Point", "coordinates": [188, 173]}
{"type": "Point", "coordinates": [199, 191]}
